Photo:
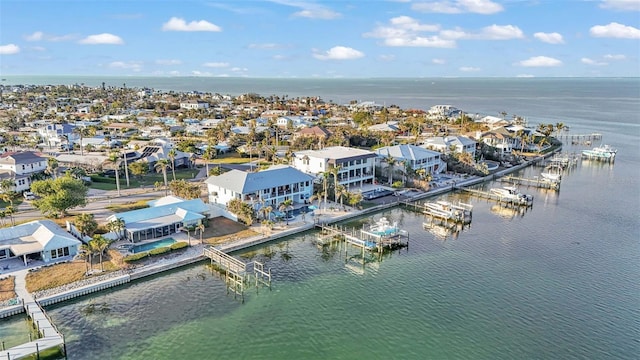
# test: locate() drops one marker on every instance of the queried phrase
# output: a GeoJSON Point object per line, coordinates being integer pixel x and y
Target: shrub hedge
{"type": "Point", "coordinates": [135, 257]}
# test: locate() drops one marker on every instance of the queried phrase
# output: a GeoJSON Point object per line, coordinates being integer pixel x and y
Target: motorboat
{"type": "Point", "coordinates": [384, 228]}
{"type": "Point", "coordinates": [512, 194]}
{"type": "Point", "coordinates": [603, 152]}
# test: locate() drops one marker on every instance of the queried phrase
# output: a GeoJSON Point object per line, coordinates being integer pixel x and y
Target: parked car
{"type": "Point", "coordinates": [28, 195]}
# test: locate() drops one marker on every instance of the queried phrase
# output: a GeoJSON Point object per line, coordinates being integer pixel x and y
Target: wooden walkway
{"type": "Point", "coordinates": [539, 183]}
{"type": "Point", "coordinates": [495, 197]}
{"type": "Point", "coordinates": [50, 336]}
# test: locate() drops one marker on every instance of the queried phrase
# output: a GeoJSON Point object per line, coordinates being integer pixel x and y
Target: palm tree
{"type": "Point", "coordinates": [114, 160]}
{"type": "Point", "coordinates": [86, 250]}
{"type": "Point", "coordinates": [98, 245]}
{"type": "Point", "coordinates": [82, 132]}
{"type": "Point", "coordinates": [334, 171]}
{"type": "Point", "coordinates": [172, 156]}
{"type": "Point", "coordinates": [391, 161]}
{"type": "Point", "coordinates": [86, 224]}
{"type": "Point", "coordinates": [161, 166]}
{"type": "Point", "coordinates": [209, 154]}
{"type": "Point", "coordinates": [118, 226]}
{"type": "Point", "coordinates": [52, 167]}
{"type": "Point", "coordinates": [325, 178]}
{"type": "Point", "coordinates": [200, 228]}
{"type": "Point", "coordinates": [9, 211]}
{"type": "Point", "coordinates": [126, 166]}
{"type": "Point", "coordinates": [341, 192]}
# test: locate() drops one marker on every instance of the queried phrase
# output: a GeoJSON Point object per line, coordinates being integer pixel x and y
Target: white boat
{"type": "Point", "coordinates": [511, 193]}
{"type": "Point", "coordinates": [603, 152]}
{"type": "Point", "coordinates": [444, 209]}
{"type": "Point", "coordinates": [384, 228]}
{"type": "Point", "coordinates": [552, 172]}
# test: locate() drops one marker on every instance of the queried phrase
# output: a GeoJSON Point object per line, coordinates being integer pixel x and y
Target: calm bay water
{"type": "Point", "coordinates": [558, 281]}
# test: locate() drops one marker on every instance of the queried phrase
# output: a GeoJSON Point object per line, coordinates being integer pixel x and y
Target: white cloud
{"type": "Point", "coordinates": [339, 53]}
{"type": "Point", "coordinates": [406, 31]}
{"type": "Point", "coordinates": [324, 14]}
{"type": "Point", "coordinates": [104, 38]}
{"type": "Point", "coordinates": [624, 5]}
{"type": "Point", "coordinates": [179, 24]}
{"type": "Point", "coordinates": [615, 57]}
{"type": "Point", "coordinates": [216, 64]}
{"type": "Point", "coordinates": [310, 10]}
{"type": "Point", "coordinates": [540, 61]}
{"type": "Point", "coordinates": [168, 62]}
{"type": "Point", "coordinates": [130, 65]}
{"type": "Point", "coordinates": [615, 30]}
{"type": "Point", "coordinates": [469, 69]}
{"type": "Point", "coordinates": [593, 62]}
{"type": "Point", "coordinates": [525, 76]}
{"type": "Point", "coordinates": [36, 36]}
{"type": "Point", "coordinates": [9, 49]}
{"type": "Point", "coordinates": [439, 61]}
{"type": "Point", "coordinates": [549, 38]}
{"type": "Point", "coordinates": [459, 6]}
{"type": "Point", "coordinates": [493, 32]}
{"type": "Point", "coordinates": [200, 73]}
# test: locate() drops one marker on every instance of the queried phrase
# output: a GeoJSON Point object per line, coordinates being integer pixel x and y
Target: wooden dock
{"type": "Point", "coordinates": [496, 197]}
{"type": "Point", "coordinates": [580, 139]}
{"type": "Point", "coordinates": [536, 182]}
{"type": "Point", "coordinates": [363, 238]}
{"type": "Point", "coordinates": [237, 274]}
{"type": "Point", "coordinates": [50, 337]}
{"type": "Point", "coordinates": [445, 211]}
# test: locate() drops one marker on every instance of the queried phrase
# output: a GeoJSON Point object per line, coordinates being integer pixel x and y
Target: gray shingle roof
{"type": "Point", "coordinates": [249, 182]}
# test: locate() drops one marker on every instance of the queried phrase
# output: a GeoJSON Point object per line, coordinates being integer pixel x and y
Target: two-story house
{"type": "Point", "coordinates": [416, 157]}
{"type": "Point", "coordinates": [19, 166]}
{"type": "Point", "coordinates": [269, 187]}
{"type": "Point", "coordinates": [449, 144]}
{"type": "Point", "coordinates": [355, 166]}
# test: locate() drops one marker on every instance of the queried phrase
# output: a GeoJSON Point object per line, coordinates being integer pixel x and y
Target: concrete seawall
{"type": "Point", "coordinates": [247, 243]}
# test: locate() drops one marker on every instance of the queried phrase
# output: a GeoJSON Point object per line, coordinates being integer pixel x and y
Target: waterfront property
{"type": "Point", "coordinates": [37, 240]}
{"type": "Point", "coordinates": [269, 187]}
{"type": "Point", "coordinates": [163, 217]}
{"type": "Point", "coordinates": [416, 157]}
{"type": "Point", "coordinates": [355, 166]}
{"type": "Point", "coordinates": [447, 144]}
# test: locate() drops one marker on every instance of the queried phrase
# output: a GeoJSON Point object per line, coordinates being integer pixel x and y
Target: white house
{"type": "Point", "coordinates": [194, 104]}
{"type": "Point", "coordinates": [449, 144]}
{"type": "Point", "coordinates": [444, 110]}
{"type": "Point", "coordinates": [19, 166]}
{"type": "Point", "coordinates": [356, 166]}
{"type": "Point", "coordinates": [415, 156]}
{"type": "Point", "coordinates": [38, 240]}
{"type": "Point", "coordinates": [268, 187]}
{"type": "Point", "coordinates": [54, 134]}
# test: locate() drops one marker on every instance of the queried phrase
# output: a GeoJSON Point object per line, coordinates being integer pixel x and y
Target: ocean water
{"type": "Point", "coordinates": [557, 281]}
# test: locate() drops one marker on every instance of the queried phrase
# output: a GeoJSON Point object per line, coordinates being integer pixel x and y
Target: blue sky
{"type": "Point", "coordinates": [322, 39]}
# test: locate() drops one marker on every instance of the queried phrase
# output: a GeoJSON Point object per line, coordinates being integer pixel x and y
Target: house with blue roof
{"type": "Point", "coordinates": [269, 187]}
{"type": "Point", "coordinates": [163, 217]}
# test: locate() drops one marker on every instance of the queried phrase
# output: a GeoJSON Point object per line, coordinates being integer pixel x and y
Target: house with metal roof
{"type": "Point", "coordinates": [163, 217]}
{"type": "Point", "coordinates": [414, 156]}
{"type": "Point", "coordinates": [448, 144]}
{"type": "Point", "coordinates": [355, 166]}
{"type": "Point", "coordinates": [37, 240]}
{"type": "Point", "coordinates": [269, 187]}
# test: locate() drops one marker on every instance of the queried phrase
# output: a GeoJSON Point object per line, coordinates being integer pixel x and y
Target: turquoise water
{"type": "Point", "coordinates": [557, 281]}
{"type": "Point", "coordinates": [152, 245]}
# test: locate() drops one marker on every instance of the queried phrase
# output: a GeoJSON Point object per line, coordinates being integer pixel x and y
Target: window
{"type": "Point", "coordinates": [3, 254]}
{"type": "Point", "coordinates": [60, 252]}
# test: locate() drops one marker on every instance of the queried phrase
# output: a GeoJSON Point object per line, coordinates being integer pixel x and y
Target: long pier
{"type": "Point", "coordinates": [496, 197]}
{"type": "Point", "coordinates": [578, 139]}
{"type": "Point", "coordinates": [50, 337]}
{"type": "Point", "coordinates": [536, 182]}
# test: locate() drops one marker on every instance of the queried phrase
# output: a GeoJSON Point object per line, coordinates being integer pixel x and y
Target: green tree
{"type": "Point", "coordinates": [139, 168]}
{"type": "Point", "coordinates": [52, 167]}
{"type": "Point", "coordinates": [391, 161]}
{"type": "Point", "coordinates": [114, 160]}
{"type": "Point", "coordinates": [98, 245]}
{"type": "Point", "coordinates": [59, 195]}
{"type": "Point", "coordinates": [86, 224]}
{"type": "Point", "coordinates": [185, 189]}
{"type": "Point", "coordinates": [172, 156]}
{"type": "Point", "coordinates": [161, 166]}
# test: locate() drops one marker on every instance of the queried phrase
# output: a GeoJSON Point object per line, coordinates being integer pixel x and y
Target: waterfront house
{"type": "Point", "coordinates": [416, 157]}
{"type": "Point", "coordinates": [356, 165]}
{"type": "Point", "coordinates": [448, 144]}
{"type": "Point", "coordinates": [37, 240]}
{"type": "Point", "coordinates": [501, 139]}
{"type": "Point", "coordinates": [163, 217]}
{"type": "Point", "coordinates": [19, 166]}
{"type": "Point", "coordinates": [269, 187]}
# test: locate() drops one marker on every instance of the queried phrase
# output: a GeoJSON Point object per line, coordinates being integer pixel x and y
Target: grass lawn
{"type": "Point", "coordinates": [148, 179]}
{"type": "Point", "coordinates": [128, 206]}
{"type": "Point", "coordinates": [50, 277]}
{"type": "Point", "coordinates": [229, 158]}
{"type": "Point", "coordinates": [221, 229]}
{"type": "Point", "coordinates": [6, 288]}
